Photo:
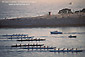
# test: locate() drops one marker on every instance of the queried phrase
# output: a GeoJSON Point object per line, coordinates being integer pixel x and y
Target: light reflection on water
{"type": "Point", "coordinates": [59, 41]}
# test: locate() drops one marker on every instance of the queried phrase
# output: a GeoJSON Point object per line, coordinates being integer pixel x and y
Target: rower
{"type": "Point", "coordinates": [20, 45]}
{"type": "Point", "coordinates": [28, 45]}
{"type": "Point", "coordinates": [24, 35]}
{"type": "Point", "coordinates": [25, 45]}
{"type": "Point", "coordinates": [36, 45]}
{"type": "Point", "coordinates": [11, 37]}
{"type": "Point", "coordinates": [33, 44]}
{"type": "Point", "coordinates": [58, 49]}
{"type": "Point", "coordinates": [55, 48]}
{"type": "Point", "coordinates": [72, 49]}
{"type": "Point", "coordinates": [16, 45]}
{"type": "Point", "coordinates": [44, 47]}
{"type": "Point", "coordinates": [63, 48]}
{"type": "Point", "coordinates": [47, 47]}
{"type": "Point", "coordinates": [32, 48]}
{"type": "Point", "coordinates": [67, 49]}
{"type": "Point", "coordinates": [39, 39]}
{"type": "Point", "coordinates": [40, 47]}
{"type": "Point", "coordinates": [76, 48]}
{"type": "Point", "coordinates": [21, 37]}
{"type": "Point", "coordinates": [17, 37]}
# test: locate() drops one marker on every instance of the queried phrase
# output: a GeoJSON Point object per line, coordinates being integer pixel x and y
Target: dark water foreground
{"type": "Point", "coordinates": [42, 22]}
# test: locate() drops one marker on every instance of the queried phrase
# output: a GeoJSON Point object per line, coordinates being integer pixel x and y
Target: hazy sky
{"type": "Point", "coordinates": [77, 2]}
{"type": "Point", "coordinates": [40, 7]}
{"type": "Point", "coordinates": [74, 2]}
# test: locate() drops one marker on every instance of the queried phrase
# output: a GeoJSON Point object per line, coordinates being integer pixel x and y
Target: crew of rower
{"type": "Point", "coordinates": [45, 47]}
{"type": "Point", "coordinates": [67, 49]}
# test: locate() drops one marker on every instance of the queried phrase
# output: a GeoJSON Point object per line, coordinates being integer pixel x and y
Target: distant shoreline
{"type": "Point", "coordinates": [42, 26]}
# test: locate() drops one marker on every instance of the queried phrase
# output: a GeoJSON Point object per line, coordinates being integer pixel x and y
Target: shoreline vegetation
{"type": "Point", "coordinates": [50, 20]}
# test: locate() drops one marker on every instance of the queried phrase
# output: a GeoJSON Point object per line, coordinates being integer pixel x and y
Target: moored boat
{"type": "Point", "coordinates": [72, 36]}
{"type": "Point", "coordinates": [56, 32]}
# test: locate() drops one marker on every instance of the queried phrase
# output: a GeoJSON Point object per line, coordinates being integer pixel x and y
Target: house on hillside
{"type": "Point", "coordinates": [80, 11]}
{"type": "Point", "coordinates": [65, 11]}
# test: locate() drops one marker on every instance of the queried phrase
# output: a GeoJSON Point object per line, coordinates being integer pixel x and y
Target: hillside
{"type": "Point", "coordinates": [45, 21]}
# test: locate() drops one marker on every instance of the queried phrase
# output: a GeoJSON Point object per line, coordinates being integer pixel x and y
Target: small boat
{"type": "Point", "coordinates": [56, 32]}
{"type": "Point", "coordinates": [72, 36]}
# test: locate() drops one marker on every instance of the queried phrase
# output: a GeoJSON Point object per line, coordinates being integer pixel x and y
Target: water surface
{"type": "Point", "coordinates": [57, 40]}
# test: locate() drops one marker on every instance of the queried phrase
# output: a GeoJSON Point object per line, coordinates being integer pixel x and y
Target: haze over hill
{"type": "Point", "coordinates": [27, 8]}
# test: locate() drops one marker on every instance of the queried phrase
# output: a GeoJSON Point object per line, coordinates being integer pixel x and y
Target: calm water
{"type": "Point", "coordinates": [59, 41]}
